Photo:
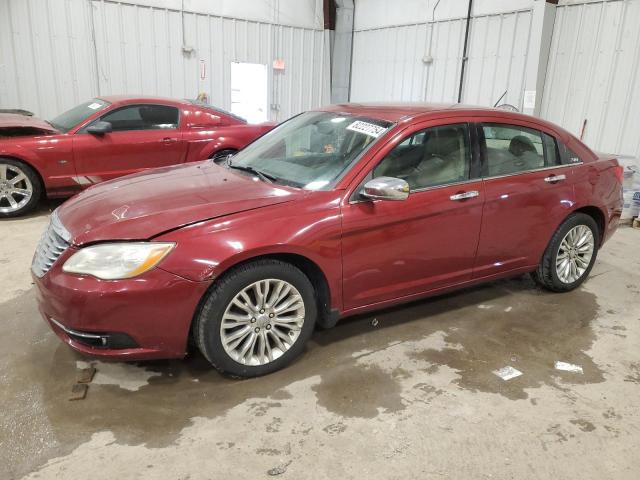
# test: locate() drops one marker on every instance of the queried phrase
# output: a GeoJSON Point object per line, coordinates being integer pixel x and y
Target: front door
{"type": "Point", "coordinates": [528, 194]}
{"type": "Point", "coordinates": [143, 137]}
{"type": "Point", "coordinates": [395, 249]}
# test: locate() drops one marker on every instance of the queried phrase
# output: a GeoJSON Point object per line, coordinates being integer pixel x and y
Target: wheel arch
{"type": "Point", "coordinates": [217, 145]}
{"type": "Point", "coordinates": [326, 317]}
{"type": "Point", "coordinates": [598, 215]}
{"type": "Point", "coordinates": [31, 166]}
{"type": "Point", "coordinates": [223, 149]}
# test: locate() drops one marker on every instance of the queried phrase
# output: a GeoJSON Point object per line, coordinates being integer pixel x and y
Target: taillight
{"type": "Point", "coordinates": [619, 171]}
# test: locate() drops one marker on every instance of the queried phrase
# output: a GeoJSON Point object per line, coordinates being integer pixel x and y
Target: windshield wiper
{"type": "Point", "coordinates": [263, 176]}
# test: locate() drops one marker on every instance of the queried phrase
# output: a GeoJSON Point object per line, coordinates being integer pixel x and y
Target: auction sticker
{"type": "Point", "coordinates": [93, 106]}
{"type": "Point", "coordinates": [367, 128]}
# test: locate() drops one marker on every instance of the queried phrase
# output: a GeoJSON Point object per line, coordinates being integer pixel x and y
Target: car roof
{"type": "Point", "coordinates": [399, 112]}
{"type": "Point", "coordinates": [117, 99]}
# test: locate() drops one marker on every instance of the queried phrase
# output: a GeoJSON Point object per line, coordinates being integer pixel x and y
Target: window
{"type": "Point", "coordinates": [431, 157]}
{"type": "Point", "coordinates": [569, 156]}
{"type": "Point", "coordinates": [312, 150]}
{"type": "Point", "coordinates": [142, 117]}
{"type": "Point", "coordinates": [78, 114]}
{"type": "Point", "coordinates": [511, 149]}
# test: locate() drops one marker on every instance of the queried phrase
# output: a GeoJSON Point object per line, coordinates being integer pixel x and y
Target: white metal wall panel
{"type": "Point", "coordinates": [593, 73]}
{"type": "Point", "coordinates": [388, 63]}
{"type": "Point", "coordinates": [46, 62]}
{"type": "Point", "coordinates": [443, 75]}
{"type": "Point", "coordinates": [51, 50]}
{"type": "Point", "coordinates": [144, 54]}
{"type": "Point", "coordinates": [498, 47]}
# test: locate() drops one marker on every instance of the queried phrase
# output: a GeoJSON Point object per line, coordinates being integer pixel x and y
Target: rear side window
{"type": "Point", "coordinates": [142, 117]}
{"type": "Point", "coordinates": [568, 156]}
{"type": "Point", "coordinates": [511, 149]}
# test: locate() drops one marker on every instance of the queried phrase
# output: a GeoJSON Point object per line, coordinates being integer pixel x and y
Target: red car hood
{"type": "Point", "coordinates": [15, 120]}
{"type": "Point", "coordinates": [144, 205]}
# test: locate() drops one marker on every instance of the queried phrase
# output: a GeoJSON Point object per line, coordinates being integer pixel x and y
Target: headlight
{"type": "Point", "coordinates": [111, 261]}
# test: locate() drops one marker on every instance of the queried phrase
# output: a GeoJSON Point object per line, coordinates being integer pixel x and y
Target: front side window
{"type": "Point", "coordinates": [78, 114]}
{"type": "Point", "coordinates": [142, 117]}
{"type": "Point", "coordinates": [511, 149]}
{"type": "Point", "coordinates": [311, 150]}
{"type": "Point", "coordinates": [431, 157]}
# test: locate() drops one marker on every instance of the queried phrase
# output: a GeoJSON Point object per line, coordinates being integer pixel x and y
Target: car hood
{"type": "Point", "coordinates": [144, 205]}
{"type": "Point", "coordinates": [14, 120]}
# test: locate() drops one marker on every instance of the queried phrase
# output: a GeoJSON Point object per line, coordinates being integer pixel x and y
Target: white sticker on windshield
{"type": "Point", "coordinates": [93, 106]}
{"type": "Point", "coordinates": [367, 128]}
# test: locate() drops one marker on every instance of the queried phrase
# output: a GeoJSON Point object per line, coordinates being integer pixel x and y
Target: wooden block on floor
{"type": "Point", "coordinates": [85, 375]}
{"type": "Point", "coordinates": [79, 391]}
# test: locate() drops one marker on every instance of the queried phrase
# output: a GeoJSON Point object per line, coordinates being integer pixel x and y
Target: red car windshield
{"type": "Point", "coordinates": [77, 114]}
{"type": "Point", "coordinates": [311, 150]}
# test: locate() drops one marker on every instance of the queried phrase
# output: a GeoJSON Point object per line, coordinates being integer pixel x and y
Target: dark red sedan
{"type": "Point", "coordinates": [105, 138]}
{"type": "Point", "coordinates": [335, 212]}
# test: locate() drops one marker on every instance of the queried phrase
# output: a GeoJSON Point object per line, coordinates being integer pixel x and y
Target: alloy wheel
{"type": "Point", "coordinates": [15, 188]}
{"type": "Point", "coordinates": [262, 322]}
{"type": "Point", "coordinates": [574, 254]}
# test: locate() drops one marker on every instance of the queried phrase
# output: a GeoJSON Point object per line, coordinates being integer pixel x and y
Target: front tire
{"type": "Point", "coordinates": [570, 255]}
{"type": "Point", "coordinates": [256, 319]}
{"type": "Point", "coordinates": [20, 188]}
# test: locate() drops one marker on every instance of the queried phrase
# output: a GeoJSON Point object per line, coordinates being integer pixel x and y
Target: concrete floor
{"type": "Point", "coordinates": [411, 395]}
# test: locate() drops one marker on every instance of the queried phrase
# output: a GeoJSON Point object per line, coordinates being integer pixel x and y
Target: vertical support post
{"type": "Point", "coordinates": [341, 53]}
{"type": "Point", "coordinates": [544, 15]}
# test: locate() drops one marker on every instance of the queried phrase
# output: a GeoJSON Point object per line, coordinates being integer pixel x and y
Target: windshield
{"type": "Point", "coordinates": [78, 114]}
{"type": "Point", "coordinates": [311, 150]}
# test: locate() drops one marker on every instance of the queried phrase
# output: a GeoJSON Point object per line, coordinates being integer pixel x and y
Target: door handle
{"type": "Point", "coordinates": [169, 140]}
{"type": "Point", "coordinates": [464, 195]}
{"type": "Point", "coordinates": [555, 178]}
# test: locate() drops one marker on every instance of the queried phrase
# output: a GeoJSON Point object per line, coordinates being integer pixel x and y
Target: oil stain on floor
{"type": "Point", "coordinates": [485, 328]}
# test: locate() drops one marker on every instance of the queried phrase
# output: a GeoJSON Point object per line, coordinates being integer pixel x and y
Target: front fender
{"type": "Point", "coordinates": [207, 250]}
{"type": "Point", "coordinates": [23, 154]}
{"type": "Point", "coordinates": [50, 156]}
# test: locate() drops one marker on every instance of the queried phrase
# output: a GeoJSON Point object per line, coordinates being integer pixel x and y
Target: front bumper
{"type": "Point", "coordinates": [142, 318]}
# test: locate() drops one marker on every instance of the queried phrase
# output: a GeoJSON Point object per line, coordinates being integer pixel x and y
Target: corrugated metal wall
{"type": "Point", "coordinates": [388, 63]}
{"type": "Point", "coordinates": [46, 55]}
{"type": "Point", "coordinates": [593, 73]}
{"type": "Point", "coordinates": [56, 53]}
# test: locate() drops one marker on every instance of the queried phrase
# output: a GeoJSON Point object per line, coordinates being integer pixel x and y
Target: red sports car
{"type": "Point", "coordinates": [335, 212]}
{"type": "Point", "coordinates": [108, 137]}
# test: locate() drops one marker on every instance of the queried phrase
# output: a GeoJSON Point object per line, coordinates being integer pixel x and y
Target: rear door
{"type": "Point", "coordinates": [528, 193]}
{"type": "Point", "coordinates": [395, 249]}
{"type": "Point", "coordinates": [144, 136]}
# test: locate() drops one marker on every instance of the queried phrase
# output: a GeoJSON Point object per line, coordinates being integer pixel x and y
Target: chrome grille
{"type": "Point", "coordinates": [54, 241]}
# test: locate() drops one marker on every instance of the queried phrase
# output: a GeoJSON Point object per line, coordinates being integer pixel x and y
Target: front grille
{"type": "Point", "coordinates": [54, 241]}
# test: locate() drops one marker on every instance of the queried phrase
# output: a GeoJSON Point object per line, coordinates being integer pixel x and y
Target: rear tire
{"type": "Point", "coordinates": [256, 319]}
{"type": "Point", "coordinates": [20, 188]}
{"type": "Point", "coordinates": [570, 255]}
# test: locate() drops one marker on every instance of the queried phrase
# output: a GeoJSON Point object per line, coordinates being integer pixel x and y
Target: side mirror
{"type": "Point", "coordinates": [100, 128]}
{"type": "Point", "coordinates": [386, 188]}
